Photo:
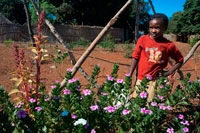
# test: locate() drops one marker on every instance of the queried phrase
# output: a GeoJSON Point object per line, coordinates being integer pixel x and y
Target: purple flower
{"type": "Point", "coordinates": [32, 100]}
{"type": "Point", "coordinates": [73, 116]}
{"type": "Point", "coordinates": [56, 97]}
{"type": "Point", "coordinates": [66, 91]}
{"type": "Point", "coordinates": [86, 125]}
{"type": "Point", "coordinates": [86, 92]}
{"type": "Point", "coordinates": [143, 95]}
{"type": "Point", "coordinates": [94, 107]}
{"type": "Point", "coordinates": [93, 131]}
{"type": "Point", "coordinates": [38, 108]}
{"type": "Point", "coordinates": [125, 112]}
{"type": "Point", "coordinates": [119, 81]}
{"type": "Point", "coordinates": [170, 130]}
{"type": "Point", "coordinates": [180, 116]}
{"type": "Point", "coordinates": [18, 106]}
{"type": "Point", "coordinates": [110, 78]}
{"type": "Point", "coordinates": [149, 77]}
{"type": "Point", "coordinates": [185, 129]}
{"type": "Point", "coordinates": [53, 86]}
{"type": "Point", "coordinates": [109, 109]}
{"type": "Point", "coordinates": [21, 114]}
{"type": "Point", "coordinates": [154, 104]}
{"type": "Point", "coordinates": [128, 75]}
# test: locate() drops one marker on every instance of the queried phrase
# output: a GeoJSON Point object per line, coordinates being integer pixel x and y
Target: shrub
{"type": "Point", "coordinates": [82, 42]}
{"type": "Point", "coordinates": [128, 49]}
{"type": "Point", "coordinates": [108, 43]}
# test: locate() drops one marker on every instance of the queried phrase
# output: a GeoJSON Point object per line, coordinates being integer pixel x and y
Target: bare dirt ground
{"type": "Point", "coordinates": [50, 73]}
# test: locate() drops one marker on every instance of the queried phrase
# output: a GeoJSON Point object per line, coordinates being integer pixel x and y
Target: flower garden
{"type": "Point", "coordinates": [77, 108]}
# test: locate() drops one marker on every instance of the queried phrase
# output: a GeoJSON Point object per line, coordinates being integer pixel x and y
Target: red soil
{"type": "Point", "coordinates": [7, 64]}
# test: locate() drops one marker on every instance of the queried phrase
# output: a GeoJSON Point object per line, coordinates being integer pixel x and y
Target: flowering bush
{"type": "Point", "coordinates": [77, 109]}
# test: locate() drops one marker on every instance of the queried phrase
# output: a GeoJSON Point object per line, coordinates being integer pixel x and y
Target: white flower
{"type": "Point", "coordinates": [80, 121]}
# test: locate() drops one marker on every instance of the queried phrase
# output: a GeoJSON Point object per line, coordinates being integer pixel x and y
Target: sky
{"type": "Point", "coordinates": [167, 7]}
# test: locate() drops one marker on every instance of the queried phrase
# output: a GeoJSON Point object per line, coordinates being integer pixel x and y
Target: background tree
{"type": "Point", "coordinates": [186, 23]}
{"type": "Point", "coordinates": [12, 9]}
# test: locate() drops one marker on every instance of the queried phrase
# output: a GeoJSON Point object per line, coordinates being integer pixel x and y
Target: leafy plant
{"type": "Point", "coordinates": [108, 43]}
{"type": "Point", "coordinates": [128, 47]}
{"type": "Point", "coordinates": [9, 42]}
{"type": "Point", "coordinates": [82, 42]}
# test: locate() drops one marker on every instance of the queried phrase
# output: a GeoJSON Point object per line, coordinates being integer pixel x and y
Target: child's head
{"type": "Point", "coordinates": [158, 25]}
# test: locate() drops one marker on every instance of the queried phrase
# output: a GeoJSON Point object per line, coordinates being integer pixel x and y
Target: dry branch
{"type": "Point", "coordinates": [94, 43]}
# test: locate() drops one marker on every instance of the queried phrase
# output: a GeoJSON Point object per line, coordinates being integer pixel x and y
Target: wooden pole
{"type": "Point", "coordinates": [94, 43]}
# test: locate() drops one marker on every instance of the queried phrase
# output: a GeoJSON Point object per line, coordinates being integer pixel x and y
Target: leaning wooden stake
{"type": "Point", "coordinates": [94, 43]}
{"type": "Point", "coordinates": [152, 7]}
{"type": "Point", "coordinates": [59, 38]}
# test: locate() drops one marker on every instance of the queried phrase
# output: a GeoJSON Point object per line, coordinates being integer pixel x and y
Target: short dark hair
{"type": "Point", "coordinates": [161, 16]}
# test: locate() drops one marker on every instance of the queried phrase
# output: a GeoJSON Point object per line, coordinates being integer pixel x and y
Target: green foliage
{"type": "Point", "coordinates": [9, 42]}
{"type": "Point", "coordinates": [108, 43]}
{"type": "Point", "coordinates": [187, 22]}
{"type": "Point", "coordinates": [50, 11]}
{"type": "Point", "coordinates": [12, 9]}
{"type": "Point", "coordinates": [82, 42]}
{"type": "Point", "coordinates": [128, 47]}
{"type": "Point", "coordinates": [193, 40]}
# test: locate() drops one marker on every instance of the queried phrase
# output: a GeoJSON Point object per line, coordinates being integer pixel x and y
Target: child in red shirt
{"type": "Point", "coordinates": [152, 53]}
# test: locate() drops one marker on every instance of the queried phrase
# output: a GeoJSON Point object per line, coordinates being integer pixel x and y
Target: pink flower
{"type": "Point", "coordinates": [160, 97]}
{"type": "Point", "coordinates": [47, 99]}
{"type": "Point", "coordinates": [103, 93]}
{"type": "Point", "coordinates": [162, 86]}
{"type": "Point", "coordinates": [95, 107]}
{"type": "Point", "coordinates": [119, 81]}
{"type": "Point", "coordinates": [86, 92]}
{"type": "Point", "coordinates": [170, 130]}
{"type": "Point", "coordinates": [71, 81]}
{"type": "Point", "coordinates": [143, 95]}
{"type": "Point", "coordinates": [21, 103]}
{"type": "Point", "coordinates": [32, 100]}
{"type": "Point", "coordinates": [185, 123]}
{"type": "Point", "coordinates": [110, 78]}
{"type": "Point", "coordinates": [149, 77]}
{"type": "Point", "coordinates": [169, 108]}
{"type": "Point", "coordinates": [18, 106]}
{"type": "Point", "coordinates": [128, 75]}
{"type": "Point", "coordinates": [149, 112]}
{"type": "Point", "coordinates": [180, 116]}
{"type": "Point", "coordinates": [93, 131]}
{"type": "Point", "coordinates": [143, 110]}
{"type": "Point", "coordinates": [154, 104]}
{"type": "Point", "coordinates": [109, 109]}
{"type": "Point", "coordinates": [125, 112]}
{"type": "Point", "coordinates": [38, 108]}
{"type": "Point", "coordinates": [185, 129]}
{"type": "Point", "coordinates": [53, 86]}
{"type": "Point", "coordinates": [69, 69]}
{"type": "Point", "coordinates": [42, 81]}
{"type": "Point", "coordinates": [162, 107]}
{"type": "Point", "coordinates": [57, 81]}
{"type": "Point", "coordinates": [73, 116]}
{"type": "Point", "coordinates": [66, 91]}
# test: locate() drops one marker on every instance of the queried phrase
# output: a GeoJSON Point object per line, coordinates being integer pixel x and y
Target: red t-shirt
{"type": "Point", "coordinates": [153, 56]}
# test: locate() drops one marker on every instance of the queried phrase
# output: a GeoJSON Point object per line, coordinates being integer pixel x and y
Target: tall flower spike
{"type": "Point", "coordinates": [16, 53]}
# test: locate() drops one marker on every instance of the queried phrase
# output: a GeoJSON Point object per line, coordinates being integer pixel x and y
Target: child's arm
{"type": "Point", "coordinates": [171, 70]}
{"type": "Point", "coordinates": [133, 66]}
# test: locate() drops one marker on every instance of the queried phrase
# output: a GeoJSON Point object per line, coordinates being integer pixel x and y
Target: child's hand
{"type": "Point", "coordinates": [162, 74]}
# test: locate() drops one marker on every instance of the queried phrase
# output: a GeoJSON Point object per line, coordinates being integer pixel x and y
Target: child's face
{"type": "Point", "coordinates": [156, 28]}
